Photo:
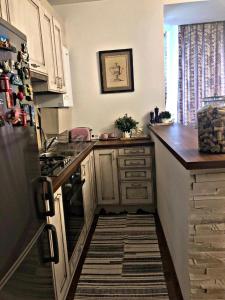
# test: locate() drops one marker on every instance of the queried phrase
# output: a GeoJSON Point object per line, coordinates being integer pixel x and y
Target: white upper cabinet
{"type": "Point", "coordinates": [35, 18]}
{"type": "Point", "coordinates": [59, 54]}
{"type": "Point", "coordinates": [26, 15]}
{"type": "Point", "coordinates": [49, 50]}
{"type": "Point", "coordinates": [4, 10]}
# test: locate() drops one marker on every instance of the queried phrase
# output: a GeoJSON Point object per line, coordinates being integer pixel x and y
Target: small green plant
{"type": "Point", "coordinates": [125, 124]}
{"type": "Point", "coordinates": [165, 115]}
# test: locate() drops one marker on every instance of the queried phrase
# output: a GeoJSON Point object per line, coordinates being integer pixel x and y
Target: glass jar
{"type": "Point", "coordinates": [211, 125]}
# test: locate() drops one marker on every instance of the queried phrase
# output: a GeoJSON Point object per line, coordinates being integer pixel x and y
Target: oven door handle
{"type": "Point", "coordinates": [50, 196]}
{"type": "Point", "coordinates": [55, 258]}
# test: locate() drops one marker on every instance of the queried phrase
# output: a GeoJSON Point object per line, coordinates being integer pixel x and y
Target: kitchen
{"type": "Point", "coordinates": [92, 191]}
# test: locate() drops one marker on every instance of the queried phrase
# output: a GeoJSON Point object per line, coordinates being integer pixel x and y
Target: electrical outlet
{"type": "Point", "coordinates": [95, 136]}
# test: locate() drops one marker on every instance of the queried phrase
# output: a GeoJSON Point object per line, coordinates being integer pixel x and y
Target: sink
{"type": "Point", "coordinates": [49, 154]}
{"type": "Point", "coordinates": [69, 153]}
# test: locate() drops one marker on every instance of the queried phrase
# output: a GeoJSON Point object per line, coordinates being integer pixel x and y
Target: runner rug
{"type": "Point", "coordinates": [123, 261]}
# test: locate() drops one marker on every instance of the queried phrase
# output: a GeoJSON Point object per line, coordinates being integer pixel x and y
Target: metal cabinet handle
{"type": "Point", "coordinates": [132, 163]}
{"type": "Point", "coordinates": [55, 258]}
{"type": "Point", "coordinates": [35, 66]}
{"type": "Point", "coordinates": [136, 184]}
{"type": "Point", "coordinates": [50, 196]}
{"type": "Point", "coordinates": [136, 151]}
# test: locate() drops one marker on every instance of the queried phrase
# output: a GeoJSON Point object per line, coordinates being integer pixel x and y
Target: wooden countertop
{"type": "Point", "coordinates": [182, 142]}
{"type": "Point", "coordinates": [59, 180]}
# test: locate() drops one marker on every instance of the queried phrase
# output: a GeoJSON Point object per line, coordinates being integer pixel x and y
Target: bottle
{"type": "Point", "coordinates": [152, 120]}
{"type": "Point", "coordinates": [156, 114]}
{"type": "Point", "coordinates": [211, 125]}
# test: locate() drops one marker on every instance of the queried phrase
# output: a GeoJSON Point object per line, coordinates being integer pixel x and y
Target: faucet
{"type": "Point", "coordinates": [46, 144]}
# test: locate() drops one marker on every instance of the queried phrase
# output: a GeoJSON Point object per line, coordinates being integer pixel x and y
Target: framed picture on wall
{"type": "Point", "coordinates": [116, 71]}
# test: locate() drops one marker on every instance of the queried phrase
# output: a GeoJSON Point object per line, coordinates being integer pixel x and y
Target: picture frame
{"type": "Point", "coordinates": [116, 71]}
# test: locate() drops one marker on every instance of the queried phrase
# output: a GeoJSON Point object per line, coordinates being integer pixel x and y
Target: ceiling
{"type": "Point", "coordinates": [183, 13]}
{"type": "Point", "coordinates": [61, 2]}
{"type": "Point", "coordinates": [198, 12]}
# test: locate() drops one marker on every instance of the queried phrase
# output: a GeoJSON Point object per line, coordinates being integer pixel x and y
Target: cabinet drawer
{"type": "Point", "coordinates": [135, 151]}
{"type": "Point", "coordinates": [138, 161]}
{"type": "Point", "coordinates": [129, 174]}
{"type": "Point", "coordinates": [136, 193]}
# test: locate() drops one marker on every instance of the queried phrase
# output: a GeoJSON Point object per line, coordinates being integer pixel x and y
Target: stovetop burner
{"type": "Point", "coordinates": [54, 165]}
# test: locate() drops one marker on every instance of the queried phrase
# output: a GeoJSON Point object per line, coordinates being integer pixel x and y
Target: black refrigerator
{"type": "Point", "coordinates": [26, 256]}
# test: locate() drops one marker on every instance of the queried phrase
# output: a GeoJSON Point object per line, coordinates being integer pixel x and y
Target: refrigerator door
{"type": "Point", "coordinates": [33, 278]}
{"type": "Point", "coordinates": [21, 203]}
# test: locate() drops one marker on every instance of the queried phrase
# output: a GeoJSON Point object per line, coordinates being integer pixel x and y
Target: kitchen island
{"type": "Point", "coordinates": [191, 207]}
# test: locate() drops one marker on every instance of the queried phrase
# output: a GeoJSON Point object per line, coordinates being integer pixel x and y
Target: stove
{"type": "Point", "coordinates": [54, 165]}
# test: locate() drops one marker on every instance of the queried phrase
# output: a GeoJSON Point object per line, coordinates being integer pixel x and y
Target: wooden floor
{"type": "Point", "coordinates": [170, 275]}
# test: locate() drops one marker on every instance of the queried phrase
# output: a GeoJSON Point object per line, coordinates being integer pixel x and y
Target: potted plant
{"type": "Point", "coordinates": [165, 116]}
{"type": "Point", "coordinates": [125, 124]}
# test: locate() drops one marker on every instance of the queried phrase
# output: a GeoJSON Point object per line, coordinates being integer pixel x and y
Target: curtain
{"type": "Point", "coordinates": [201, 67]}
{"type": "Point", "coordinates": [165, 65]}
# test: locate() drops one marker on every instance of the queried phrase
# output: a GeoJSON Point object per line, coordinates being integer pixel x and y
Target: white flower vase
{"type": "Point", "coordinates": [126, 135]}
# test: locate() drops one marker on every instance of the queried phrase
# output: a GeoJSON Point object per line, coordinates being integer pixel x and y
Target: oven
{"type": "Point", "coordinates": [73, 209]}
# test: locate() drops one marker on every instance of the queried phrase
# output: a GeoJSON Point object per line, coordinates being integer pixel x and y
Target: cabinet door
{"type": "Point", "coordinates": [87, 191]}
{"type": "Point", "coordinates": [93, 179]}
{"type": "Point", "coordinates": [4, 10]}
{"type": "Point", "coordinates": [61, 270]}
{"type": "Point", "coordinates": [59, 55]}
{"type": "Point", "coordinates": [106, 176]}
{"type": "Point", "coordinates": [49, 50]}
{"type": "Point", "coordinates": [26, 16]}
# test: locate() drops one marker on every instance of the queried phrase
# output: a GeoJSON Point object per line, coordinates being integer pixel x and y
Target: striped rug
{"type": "Point", "coordinates": [123, 261]}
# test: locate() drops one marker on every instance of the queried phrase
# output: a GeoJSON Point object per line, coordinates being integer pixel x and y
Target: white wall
{"type": "Point", "coordinates": [105, 25]}
{"type": "Point", "coordinates": [172, 69]}
{"type": "Point", "coordinates": [180, 1]}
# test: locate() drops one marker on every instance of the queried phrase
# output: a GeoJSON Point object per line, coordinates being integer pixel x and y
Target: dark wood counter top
{"type": "Point", "coordinates": [58, 181]}
{"type": "Point", "coordinates": [182, 142]}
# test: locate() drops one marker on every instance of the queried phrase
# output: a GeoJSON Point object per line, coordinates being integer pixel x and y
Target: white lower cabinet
{"type": "Point", "coordinates": [124, 176]}
{"type": "Point", "coordinates": [106, 176]}
{"type": "Point", "coordinates": [88, 196]}
{"type": "Point", "coordinates": [61, 271]}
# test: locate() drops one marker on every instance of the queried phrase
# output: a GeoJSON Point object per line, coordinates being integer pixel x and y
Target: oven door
{"type": "Point", "coordinates": [73, 210]}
